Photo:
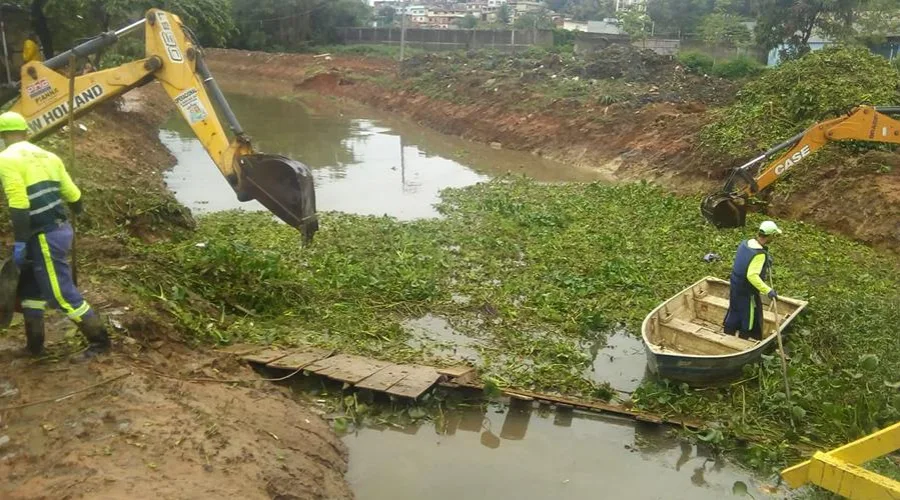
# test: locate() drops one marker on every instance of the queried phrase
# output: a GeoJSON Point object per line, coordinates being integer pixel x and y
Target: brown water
{"type": "Point", "coordinates": [367, 163]}
{"type": "Point", "coordinates": [532, 452]}
{"type": "Point", "coordinates": [363, 163]}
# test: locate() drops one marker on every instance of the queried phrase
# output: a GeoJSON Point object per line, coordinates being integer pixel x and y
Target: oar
{"type": "Point", "coordinates": [787, 387]}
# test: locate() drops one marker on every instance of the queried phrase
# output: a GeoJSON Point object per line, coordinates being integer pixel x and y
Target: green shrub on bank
{"type": "Point", "coordinates": [739, 67]}
{"type": "Point", "coordinates": [696, 62]}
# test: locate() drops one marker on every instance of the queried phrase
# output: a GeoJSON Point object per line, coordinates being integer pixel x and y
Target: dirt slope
{"type": "Point", "coordinates": [166, 429]}
{"type": "Point", "coordinates": [654, 138]}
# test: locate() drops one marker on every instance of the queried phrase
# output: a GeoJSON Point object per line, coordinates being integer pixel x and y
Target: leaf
{"type": "Point", "coordinates": [416, 412]}
{"type": "Point", "coordinates": [868, 362]}
{"type": "Point", "coordinates": [739, 488]}
{"type": "Point", "coordinates": [798, 412]}
{"type": "Point", "coordinates": [892, 385]}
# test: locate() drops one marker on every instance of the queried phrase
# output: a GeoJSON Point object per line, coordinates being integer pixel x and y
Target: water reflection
{"type": "Point", "coordinates": [361, 164]}
{"type": "Point", "coordinates": [527, 450]}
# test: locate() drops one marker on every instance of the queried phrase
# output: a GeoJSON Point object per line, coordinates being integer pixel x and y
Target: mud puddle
{"type": "Point", "coordinates": [362, 163]}
{"type": "Point", "coordinates": [534, 452]}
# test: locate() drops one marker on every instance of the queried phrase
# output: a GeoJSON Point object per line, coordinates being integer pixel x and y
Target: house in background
{"type": "Point", "coordinates": [816, 42]}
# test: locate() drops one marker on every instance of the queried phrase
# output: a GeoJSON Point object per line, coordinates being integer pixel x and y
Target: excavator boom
{"type": "Point", "coordinates": [727, 207]}
{"type": "Point", "coordinates": [282, 185]}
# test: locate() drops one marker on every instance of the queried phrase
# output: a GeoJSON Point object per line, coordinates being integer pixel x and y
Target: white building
{"type": "Point", "coordinates": [573, 25]}
{"type": "Point", "coordinates": [640, 5]}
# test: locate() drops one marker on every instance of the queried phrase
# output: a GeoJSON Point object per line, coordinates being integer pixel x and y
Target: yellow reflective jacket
{"type": "Point", "coordinates": [37, 181]}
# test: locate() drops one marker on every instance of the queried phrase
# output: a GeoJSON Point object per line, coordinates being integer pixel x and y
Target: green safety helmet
{"type": "Point", "coordinates": [767, 228]}
{"type": "Point", "coordinates": [13, 122]}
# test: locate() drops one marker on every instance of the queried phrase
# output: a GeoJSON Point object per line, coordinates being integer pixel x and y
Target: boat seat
{"type": "Point", "coordinates": [721, 303]}
{"type": "Point", "coordinates": [729, 341]}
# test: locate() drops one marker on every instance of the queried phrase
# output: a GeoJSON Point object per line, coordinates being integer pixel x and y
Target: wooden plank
{"type": "Point", "coordinates": [347, 368]}
{"type": "Point", "coordinates": [301, 359]}
{"type": "Point", "coordinates": [383, 379]}
{"type": "Point", "coordinates": [456, 371]}
{"type": "Point", "coordinates": [419, 380]}
{"type": "Point", "coordinates": [265, 356]}
{"type": "Point", "coordinates": [241, 349]}
{"type": "Point", "coordinates": [597, 406]}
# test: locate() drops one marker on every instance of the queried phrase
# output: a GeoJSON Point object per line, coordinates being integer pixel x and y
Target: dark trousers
{"type": "Point", "coordinates": [744, 316]}
{"type": "Point", "coordinates": [47, 278]}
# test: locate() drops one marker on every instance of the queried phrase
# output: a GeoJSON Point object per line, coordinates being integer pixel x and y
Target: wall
{"type": "Point", "coordinates": [590, 42]}
{"type": "Point", "coordinates": [454, 39]}
{"type": "Point", "coordinates": [718, 52]}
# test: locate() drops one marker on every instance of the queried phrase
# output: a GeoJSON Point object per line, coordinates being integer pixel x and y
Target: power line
{"type": "Point", "coordinates": [292, 16]}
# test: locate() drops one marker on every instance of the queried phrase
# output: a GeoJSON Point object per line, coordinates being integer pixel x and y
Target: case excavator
{"type": "Point", "coordinates": [728, 207]}
{"type": "Point", "coordinates": [175, 59]}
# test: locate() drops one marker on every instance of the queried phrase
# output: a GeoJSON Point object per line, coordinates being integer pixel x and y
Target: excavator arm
{"type": "Point", "coordinates": [283, 186]}
{"type": "Point", "coordinates": [727, 207]}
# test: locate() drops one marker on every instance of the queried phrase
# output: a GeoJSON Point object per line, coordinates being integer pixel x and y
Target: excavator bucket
{"type": "Point", "coordinates": [284, 186]}
{"type": "Point", "coordinates": [724, 210]}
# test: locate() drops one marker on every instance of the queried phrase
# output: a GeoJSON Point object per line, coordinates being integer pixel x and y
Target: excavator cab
{"type": "Point", "coordinates": [51, 92]}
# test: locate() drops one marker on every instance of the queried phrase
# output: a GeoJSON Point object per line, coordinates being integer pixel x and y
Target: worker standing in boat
{"type": "Point", "coordinates": [748, 283]}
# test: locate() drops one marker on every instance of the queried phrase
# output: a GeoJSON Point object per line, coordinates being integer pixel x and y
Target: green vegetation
{"type": "Point", "coordinates": [739, 67]}
{"type": "Point", "coordinates": [536, 274]}
{"type": "Point", "coordinates": [696, 61]}
{"type": "Point", "coordinates": [791, 97]}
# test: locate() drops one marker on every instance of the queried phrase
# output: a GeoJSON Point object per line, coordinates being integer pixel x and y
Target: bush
{"type": "Point", "coordinates": [696, 62]}
{"type": "Point", "coordinates": [739, 67]}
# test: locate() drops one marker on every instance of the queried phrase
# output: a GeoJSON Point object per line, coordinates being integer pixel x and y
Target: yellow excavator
{"type": "Point", "coordinates": [728, 207]}
{"type": "Point", "coordinates": [173, 58]}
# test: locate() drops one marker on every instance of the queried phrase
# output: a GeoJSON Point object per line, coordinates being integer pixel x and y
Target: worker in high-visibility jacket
{"type": "Point", "coordinates": [31, 51]}
{"type": "Point", "coordinates": [37, 187]}
{"type": "Point", "coordinates": [751, 268]}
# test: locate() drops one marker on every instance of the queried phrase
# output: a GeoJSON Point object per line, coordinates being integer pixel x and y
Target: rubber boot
{"type": "Point", "coordinates": [34, 335]}
{"type": "Point", "coordinates": [93, 328]}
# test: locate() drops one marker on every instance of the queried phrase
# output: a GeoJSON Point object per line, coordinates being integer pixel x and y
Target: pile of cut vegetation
{"type": "Point", "coordinates": [786, 100]}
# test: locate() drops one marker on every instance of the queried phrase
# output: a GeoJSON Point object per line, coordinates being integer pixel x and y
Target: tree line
{"type": "Point", "coordinates": [282, 25]}
{"type": "Point", "coordinates": [243, 24]}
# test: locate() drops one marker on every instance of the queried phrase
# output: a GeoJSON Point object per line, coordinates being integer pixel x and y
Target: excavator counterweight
{"type": "Point", "coordinates": [728, 207]}
{"type": "Point", "coordinates": [175, 60]}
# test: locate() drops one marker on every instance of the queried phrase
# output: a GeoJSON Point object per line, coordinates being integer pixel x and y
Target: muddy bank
{"type": "Point", "coordinates": [653, 137]}
{"type": "Point", "coordinates": [157, 420]}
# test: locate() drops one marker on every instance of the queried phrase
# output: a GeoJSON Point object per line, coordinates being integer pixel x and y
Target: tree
{"type": "Point", "coordinates": [634, 22]}
{"type": "Point", "coordinates": [504, 13]}
{"type": "Point", "coordinates": [723, 29]}
{"type": "Point", "coordinates": [385, 16]}
{"type": "Point", "coordinates": [538, 19]}
{"type": "Point", "coordinates": [467, 22]}
{"type": "Point", "coordinates": [293, 24]}
{"type": "Point", "coordinates": [793, 22]}
{"type": "Point", "coordinates": [584, 10]}
{"type": "Point", "coordinates": [678, 16]}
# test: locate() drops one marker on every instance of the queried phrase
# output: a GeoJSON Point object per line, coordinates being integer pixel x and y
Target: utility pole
{"type": "Point", "coordinates": [403, 29]}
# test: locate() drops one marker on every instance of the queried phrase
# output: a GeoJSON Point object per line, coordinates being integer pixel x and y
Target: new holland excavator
{"type": "Point", "coordinates": [728, 207]}
{"type": "Point", "coordinates": [173, 58]}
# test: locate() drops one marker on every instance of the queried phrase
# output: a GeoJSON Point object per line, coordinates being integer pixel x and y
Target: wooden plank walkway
{"type": "Point", "coordinates": [407, 381]}
{"type": "Point", "coordinates": [411, 381]}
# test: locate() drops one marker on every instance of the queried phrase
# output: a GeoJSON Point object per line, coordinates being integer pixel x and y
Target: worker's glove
{"type": "Point", "coordinates": [773, 294]}
{"type": "Point", "coordinates": [19, 253]}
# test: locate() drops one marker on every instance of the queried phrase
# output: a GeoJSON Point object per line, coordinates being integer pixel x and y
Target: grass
{"type": "Point", "coordinates": [545, 271]}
